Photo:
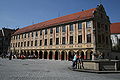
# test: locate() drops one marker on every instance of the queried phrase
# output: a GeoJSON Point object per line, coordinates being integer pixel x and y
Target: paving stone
{"type": "Point", "coordinates": [39, 69]}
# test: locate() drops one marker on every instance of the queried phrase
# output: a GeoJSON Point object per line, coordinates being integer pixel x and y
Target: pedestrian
{"type": "Point", "coordinates": [10, 57]}
{"type": "Point", "coordinates": [81, 62]}
{"type": "Point", "coordinates": [74, 60]}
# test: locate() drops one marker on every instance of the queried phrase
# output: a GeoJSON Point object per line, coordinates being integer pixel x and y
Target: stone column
{"type": "Point", "coordinates": [48, 54]}
{"type": "Point", "coordinates": [43, 54]}
{"type": "Point", "coordinates": [59, 53]}
{"type": "Point", "coordinates": [53, 57]}
{"type": "Point", "coordinates": [38, 53]}
{"type": "Point", "coordinates": [84, 54]}
{"type": "Point", "coordinates": [67, 55]}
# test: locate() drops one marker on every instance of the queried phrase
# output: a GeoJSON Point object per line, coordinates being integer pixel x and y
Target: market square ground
{"type": "Point", "coordinates": [36, 69]}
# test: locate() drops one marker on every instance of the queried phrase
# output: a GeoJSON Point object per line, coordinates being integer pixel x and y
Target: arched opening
{"type": "Point", "coordinates": [89, 55]}
{"type": "Point", "coordinates": [45, 54]}
{"type": "Point", "coordinates": [28, 54]}
{"type": "Point", "coordinates": [25, 54]}
{"type": "Point", "coordinates": [82, 54]}
{"type": "Point", "coordinates": [62, 55]}
{"type": "Point", "coordinates": [50, 55]}
{"type": "Point", "coordinates": [40, 54]}
{"type": "Point", "coordinates": [36, 55]}
{"type": "Point", "coordinates": [32, 53]}
{"type": "Point", "coordinates": [70, 55]}
{"type": "Point", "coordinates": [56, 55]}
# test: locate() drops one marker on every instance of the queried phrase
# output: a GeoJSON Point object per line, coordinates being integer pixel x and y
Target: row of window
{"type": "Point", "coordinates": [103, 39]}
{"type": "Point", "coordinates": [51, 41]}
{"type": "Point", "coordinates": [104, 26]}
{"type": "Point", "coordinates": [88, 24]}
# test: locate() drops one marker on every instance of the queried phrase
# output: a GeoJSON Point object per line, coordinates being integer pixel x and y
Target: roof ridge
{"type": "Point", "coordinates": [59, 20]}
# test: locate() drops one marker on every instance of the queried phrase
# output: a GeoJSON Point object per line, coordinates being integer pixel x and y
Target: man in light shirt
{"type": "Point", "coordinates": [74, 60]}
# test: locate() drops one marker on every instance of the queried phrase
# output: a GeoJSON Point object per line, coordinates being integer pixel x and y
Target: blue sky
{"type": "Point", "coordinates": [21, 13]}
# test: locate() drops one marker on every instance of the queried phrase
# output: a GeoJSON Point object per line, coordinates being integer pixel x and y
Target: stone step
{"type": "Point", "coordinates": [108, 67]}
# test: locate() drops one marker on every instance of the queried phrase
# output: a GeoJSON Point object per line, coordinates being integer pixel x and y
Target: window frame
{"type": "Point", "coordinates": [71, 27]}
{"type": "Point", "coordinates": [63, 40]}
{"type": "Point", "coordinates": [57, 41]}
{"type": "Point", "coordinates": [45, 42]}
{"type": "Point", "coordinates": [71, 40]}
{"type": "Point", "coordinates": [79, 25]}
{"type": "Point", "coordinates": [79, 39]}
{"type": "Point", "coordinates": [89, 38]}
{"type": "Point", "coordinates": [57, 29]}
{"type": "Point", "coordinates": [64, 28]}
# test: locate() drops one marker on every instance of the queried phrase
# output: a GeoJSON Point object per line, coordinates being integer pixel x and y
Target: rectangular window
{"type": "Point", "coordinates": [45, 42]}
{"type": "Point", "coordinates": [24, 44]}
{"type": "Point", "coordinates": [25, 35]}
{"type": "Point", "coordinates": [40, 42]}
{"type": "Point", "coordinates": [18, 44]}
{"type": "Point", "coordinates": [32, 34]}
{"type": "Point", "coordinates": [31, 43]}
{"type": "Point", "coordinates": [71, 39]}
{"type": "Point", "coordinates": [79, 38]}
{"type": "Point", "coordinates": [57, 41]}
{"type": "Point", "coordinates": [88, 24]}
{"type": "Point", "coordinates": [57, 29]}
{"type": "Point", "coordinates": [79, 25]}
{"type": "Point", "coordinates": [71, 27]}
{"type": "Point", "coordinates": [35, 42]}
{"type": "Point", "coordinates": [28, 43]}
{"type": "Point", "coordinates": [89, 38]}
{"type": "Point", "coordinates": [63, 40]}
{"type": "Point", "coordinates": [45, 31]}
{"type": "Point", "coordinates": [21, 44]}
{"type": "Point", "coordinates": [51, 41]}
{"type": "Point", "coordinates": [28, 35]}
{"type": "Point", "coordinates": [51, 30]}
{"type": "Point", "coordinates": [63, 29]}
{"type": "Point", "coordinates": [40, 32]}
{"type": "Point", "coordinates": [36, 34]}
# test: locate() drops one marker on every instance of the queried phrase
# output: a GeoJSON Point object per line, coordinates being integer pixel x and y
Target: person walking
{"type": "Point", "coordinates": [10, 57]}
{"type": "Point", "coordinates": [74, 60]}
{"type": "Point", "coordinates": [81, 62]}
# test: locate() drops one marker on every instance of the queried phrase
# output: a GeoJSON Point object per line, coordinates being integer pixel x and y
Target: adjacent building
{"type": "Point", "coordinates": [5, 38]}
{"type": "Point", "coordinates": [86, 33]}
{"type": "Point", "coordinates": [115, 36]}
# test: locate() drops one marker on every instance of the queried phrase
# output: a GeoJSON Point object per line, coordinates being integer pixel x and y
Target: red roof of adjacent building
{"type": "Point", "coordinates": [115, 28]}
{"type": "Point", "coordinates": [57, 21]}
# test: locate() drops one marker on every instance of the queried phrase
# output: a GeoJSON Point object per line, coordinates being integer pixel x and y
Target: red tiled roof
{"type": "Point", "coordinates": [115, 27]}
{"type": "Point", "coordinates": [60, 20]}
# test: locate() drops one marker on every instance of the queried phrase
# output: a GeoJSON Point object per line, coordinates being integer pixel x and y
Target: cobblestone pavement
{"type": "Point", "coordinates": [27, 69]}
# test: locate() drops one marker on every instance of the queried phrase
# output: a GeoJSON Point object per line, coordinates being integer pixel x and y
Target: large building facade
{"type": "Point", "coordinates": [86, 33]}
